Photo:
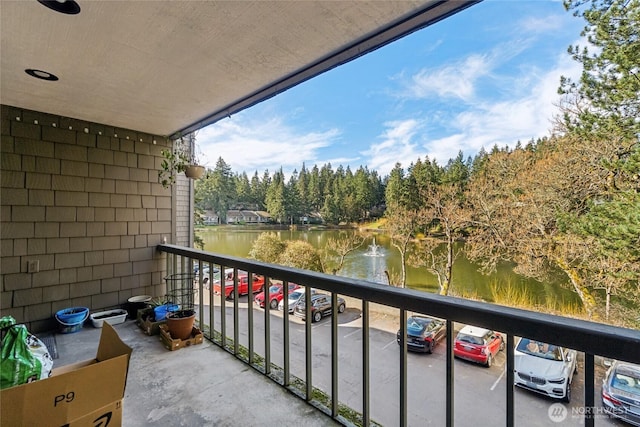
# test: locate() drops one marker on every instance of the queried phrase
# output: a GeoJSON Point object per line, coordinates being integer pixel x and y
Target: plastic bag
{"type": "Point", "coordinates": [24, 358]}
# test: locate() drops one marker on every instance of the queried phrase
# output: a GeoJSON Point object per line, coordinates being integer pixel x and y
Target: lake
{"type": "Point", "coordinates": [370, 264]}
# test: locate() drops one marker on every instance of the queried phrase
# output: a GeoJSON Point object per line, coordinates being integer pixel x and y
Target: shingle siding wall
{"type": "Point", "coordinates": [83, 201]}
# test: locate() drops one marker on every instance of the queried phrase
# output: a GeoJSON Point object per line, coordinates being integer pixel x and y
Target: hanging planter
{"type": "Point", "coordinates": [182, 158]}
{"type": "Point", "coordinates": [194, 171]}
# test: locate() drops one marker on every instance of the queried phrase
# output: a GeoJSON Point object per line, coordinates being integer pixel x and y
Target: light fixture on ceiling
{"type": "Point", "coordinates": [39, 74]}
{"type": "Point", "coordinates": [69, 7]}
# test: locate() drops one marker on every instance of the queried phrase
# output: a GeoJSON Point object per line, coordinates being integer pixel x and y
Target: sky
{"type": "Point", "coordinates": [488, 75]}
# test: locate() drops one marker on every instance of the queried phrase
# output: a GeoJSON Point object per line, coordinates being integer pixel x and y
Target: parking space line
{"type": "Point", "coordinates": [357, 331]}
{"type": "Point", "coordinates": [392, 342]}
{"type": "Point", "coordinates": [495, 384]}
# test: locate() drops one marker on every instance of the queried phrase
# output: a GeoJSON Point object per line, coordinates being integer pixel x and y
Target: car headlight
{"type": "Point", "coordinates": [557, 380]}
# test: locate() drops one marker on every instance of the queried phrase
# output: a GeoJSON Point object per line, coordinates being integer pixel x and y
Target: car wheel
{"type": "Point", "coordinates": [567, 395]}
{"type": "Point", "coordinates": [431, 346]}
{"type": "Point", "coordinates": [317, 316]}
{"type": "Point", "coordinates": [489, 361]}
{"type": "Point", "coordinates": [274, 303]}
{"type": "Point", "coordinates": [341, 308]}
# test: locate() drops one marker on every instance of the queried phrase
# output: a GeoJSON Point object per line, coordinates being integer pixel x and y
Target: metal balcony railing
{"type": "Point", "coordinates": [590, 338]}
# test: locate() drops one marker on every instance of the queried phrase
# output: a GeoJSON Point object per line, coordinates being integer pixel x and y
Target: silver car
{"type": "Point", "coordinates": [621, 392]}
{"type": "Point", "coordinates": [294, 298]}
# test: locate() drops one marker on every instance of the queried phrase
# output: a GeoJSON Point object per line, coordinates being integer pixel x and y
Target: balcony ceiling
{"type": "Point", "coordinates": [164, 67]}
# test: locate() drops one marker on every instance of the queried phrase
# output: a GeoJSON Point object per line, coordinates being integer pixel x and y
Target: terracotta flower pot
{"type": "Point", "coordinates": [180, 323]}
{"type": "Point", "coordinates": [194, 171]}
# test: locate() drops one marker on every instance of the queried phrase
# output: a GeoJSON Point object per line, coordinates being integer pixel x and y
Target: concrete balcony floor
{"type": "Point", "coordinates": [200, 385]}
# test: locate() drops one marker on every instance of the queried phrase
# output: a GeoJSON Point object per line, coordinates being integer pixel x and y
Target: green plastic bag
{"type": "Point", "coordinates": [24, 358]}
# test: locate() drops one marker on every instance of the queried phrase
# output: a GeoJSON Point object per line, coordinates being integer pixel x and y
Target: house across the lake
{"type": "Point", "coordinates": [248, 217]}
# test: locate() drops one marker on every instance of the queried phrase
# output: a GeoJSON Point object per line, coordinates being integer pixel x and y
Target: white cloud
{"type": "Point", "coordinates": [488, 122]}
{"type": "Point", "coordinates": [459, 79]}
{"type": "Point", "coordinates": [250, 144]}
{"type": "Point", "coordinates": [397, 145]}
{"type": "Point", "coordinates": [450, 81]}
{"type": "Point", "coordinates": [541, 25]}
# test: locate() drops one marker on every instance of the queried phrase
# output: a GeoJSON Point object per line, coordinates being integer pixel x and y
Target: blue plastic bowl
{"type": "Point", "coordinates": [162, 310]}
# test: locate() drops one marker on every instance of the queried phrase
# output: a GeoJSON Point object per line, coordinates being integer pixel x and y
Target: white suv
{"type": "Point", "coordinates": [544, 368]}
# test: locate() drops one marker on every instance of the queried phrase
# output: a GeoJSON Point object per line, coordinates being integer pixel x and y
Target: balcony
{"type": "Point", "coordinates": [338, 367]}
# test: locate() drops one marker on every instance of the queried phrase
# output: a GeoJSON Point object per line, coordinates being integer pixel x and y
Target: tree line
{"type": "Point", "coordinates": [338, 195]}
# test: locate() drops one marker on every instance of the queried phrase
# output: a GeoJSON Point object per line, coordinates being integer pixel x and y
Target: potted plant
{"type": "Point", "coordinates": [182, 158]}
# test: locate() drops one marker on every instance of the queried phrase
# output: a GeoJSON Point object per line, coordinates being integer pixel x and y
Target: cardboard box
{"type": "Point", "coordinates": [81, 394]}
{"type": "Point", "coordinates": [175, 343]}
{"type": "Point", "coordinates": [144, 321]}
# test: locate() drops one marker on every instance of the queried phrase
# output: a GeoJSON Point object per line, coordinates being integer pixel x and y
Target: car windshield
{"type": "Point", "coordinates": [627, 381]}
{"type": "Point", "coordinates": [418, 322]}
{"type": "Point", "coordinates": [540, 349]}
{"type": "Point", "coordinates": [274, 289]}
{"type": "Point", "coordinates": [470, 339]}
{"type": "Point", "coordinates": [295, 295]}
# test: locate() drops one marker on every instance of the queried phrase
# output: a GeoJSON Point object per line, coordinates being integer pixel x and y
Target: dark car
{"type": "Point", "coordinates": [320, 307]}
{"type": "Point", "coordinates": [621, 392]}
{"type": "Point", "coordinates": [478, 345]}
{"type": "Point", "coordinates": [423, 333]}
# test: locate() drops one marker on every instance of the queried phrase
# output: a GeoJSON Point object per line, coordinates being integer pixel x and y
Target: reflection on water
{"type": "Point", "coordinates": [376, 257]}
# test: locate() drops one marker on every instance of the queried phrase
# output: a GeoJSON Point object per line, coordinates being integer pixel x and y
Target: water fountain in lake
{"type": "Point", "coordinates": [374, 250]}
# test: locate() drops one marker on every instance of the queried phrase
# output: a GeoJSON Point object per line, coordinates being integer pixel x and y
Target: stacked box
{"type": "Point", "coordinates": [146, 323]}
{"type": "Point", "coordinates": [172, 344]}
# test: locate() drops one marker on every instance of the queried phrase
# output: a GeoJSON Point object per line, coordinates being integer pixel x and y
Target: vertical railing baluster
{"type": "Point", "coordinates": [450, 375]}
{"type": "Point", "coordinates": [201, 294]}
{"type": "Point", "coordinates": [589, 389]}
{"type": "Point", "coordinates": [223, 306]}
{"type": "Point", "coordinates": [236, 311]}
{"type": "Point", "coordinates": [366, 409]}
{"type": "Point", "coordinates": [285, 333]}
{"type": "Point", "coordinates": [510, 381]}
{"type": "Point", "coordinates": [334, 354]}
{"type": "Point", "coordinates": [211, 300]}
{"type": "Point", "coordinates": [250, 324]}
{"type": "Point", "coordinates": [267, 325]}
{"type": "Point", "coordinates": [403, 367]}
{"type": "Point", "coordinates": [308, 349]}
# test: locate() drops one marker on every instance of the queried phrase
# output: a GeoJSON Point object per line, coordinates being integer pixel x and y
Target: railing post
{"type": "Point", "coordinates": [510, 381]}
{"type": "Point", "coordinates": [450, 375]}
{"type": "Point", "coordinates": [249, 315]}
{"type": "Point", "coordinates": [308, 348]}
{"type": "Point", "coordinates": [403, 367]}
{"type": "Point", "coordinates": [589, 389]}
{"type": "Point", "coordinates": [236, 327]}
{"type": "Point", "coordinates": [366, 408]}
{"type": "Point", "coordinates": [201, 294]}
{"type": "Point", "coordinates": [267, 324]}
{"type": "Point", "coordinates": [211, 301]}
{"type": "Point", "coordinates": [285, 332]}
{"type": "Point", "coordinates": [334, 354]}
{"type": "Point", "coordinates": [223, 307]}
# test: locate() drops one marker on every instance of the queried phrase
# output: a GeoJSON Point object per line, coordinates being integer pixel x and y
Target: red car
{"type": "Point", "coordinates": [275, 295]}
{"type": "Point", "coordinates": [243, 285]}
{"type": "Point", "coordinates": [478, 345]}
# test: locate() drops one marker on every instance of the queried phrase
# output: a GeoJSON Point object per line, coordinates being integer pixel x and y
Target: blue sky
{"type": "Point", "coordinates": [488, 75]}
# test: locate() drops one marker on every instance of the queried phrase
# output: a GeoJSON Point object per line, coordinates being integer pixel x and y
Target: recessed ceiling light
{"type": "Point", "coordinates": [70, 7]}
{"type": "Point", "coordinates": [39, 74]}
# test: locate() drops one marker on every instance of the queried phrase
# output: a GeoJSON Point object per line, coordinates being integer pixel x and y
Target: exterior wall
{"type": "Point", "coordinates": [81, 214]}
{"type": "Point", "coordinates": [184, 210]}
